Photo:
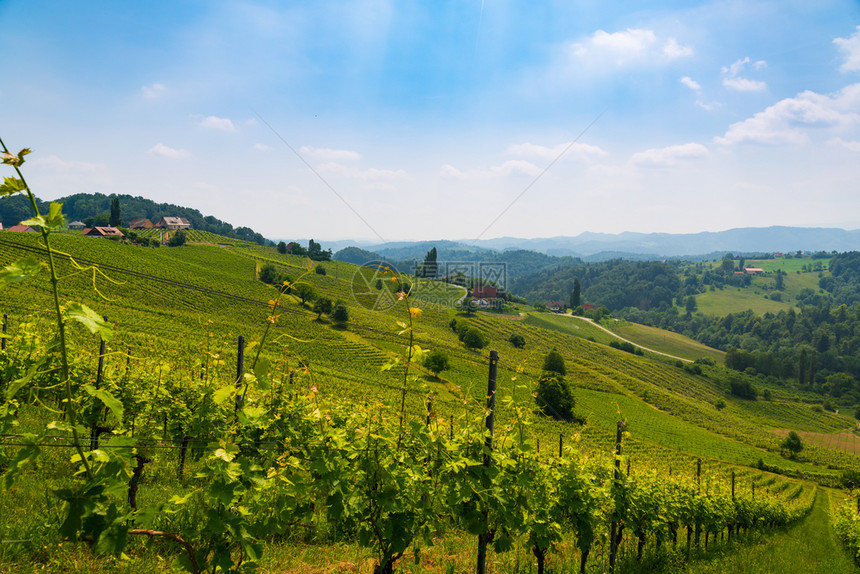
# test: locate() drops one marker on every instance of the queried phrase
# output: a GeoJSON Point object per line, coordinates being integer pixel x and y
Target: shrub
{"type": "Point", "coordinates": [720, 404]}
{"type": "Point", "coordinates": [517, 340]}
{"type": "Point", "coordinates": [177, 239]}
{"type": "Point", "coordinates": [554, 363]}
{"type": "Point", "coordinates": [743, 389]}
{"type": "Point", "coordinates": [268, 274]}
{"type": "Point", "coordinates": [792, 444]}
{"type": "Point", "coordinates": [693, 369]}
{"type": "Point", "coordinates": [766, 394]}
{"type": "Point", "coordinates": [554, 398]}
{"type": "Point", "coordinates": [340, 314]}
{"type": "Point", "coordinates": [319, 270]}
{"type": "Point", "coordinates": [474, 339]}
{"type": "Point", "coordinates": [436, 361]}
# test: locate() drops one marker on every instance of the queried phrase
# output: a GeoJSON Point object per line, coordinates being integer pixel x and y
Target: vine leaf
{"type": "Point", "coordinates": [20, 270]}
{"type": "Point", "coordinates": [89, 319]}
{"type": "Point", "coordinates": [108, 399]}
{"type": "Point", "coordinates": [11, 186]}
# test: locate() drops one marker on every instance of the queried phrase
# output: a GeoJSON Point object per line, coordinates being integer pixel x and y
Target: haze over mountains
{"type": "Point", "coordinates": [602, 246]}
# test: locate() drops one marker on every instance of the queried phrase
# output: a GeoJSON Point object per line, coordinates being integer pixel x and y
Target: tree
{"type": "Point", "coordinates": [177, 239]}
{"type": "Point", "coordinates": [467, 305]}
{"type": "Point", "coordinates": [270, 275]}
{"type": "Point", "coordinates": [340, 314]}
{"type": "Point", "coordinates": [691, 304]}
{"type": "Point", "coordinates": [517, 340]}
{"type": "Point", "coordinates": [115, 215]}
{"type": "Point", "coordinates": [282, 248]}
{"type": "Point", "coordinates": [474, 339]}
{"type": "Point", "coordinates": [554, 398]}
{"type": "Point", "coordinates": [792, 444]}
{"type": "Point", "coordinates": [322, 305]}
{"type": "Point", "coordinates": [319, 270]}
{"type": "Point", "coordinates": [430, 267]}
{"type": "Point", "coordinates": [575, 295]}
{"type": "Point", "coordinates": [780, 280]}
{"type": "Point", "coordinates": [100, 220]}
{"type": "Point", "coordinates": [436, 361]}
{"type": "Point", "coordinates": [554, 363]}
{"type": "Point", "coordinates": [306, 293]}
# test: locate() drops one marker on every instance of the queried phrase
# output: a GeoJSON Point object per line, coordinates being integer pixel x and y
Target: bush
{"type": "Point", "coordinates": [554, 398]}
{"type": "Point", "coordinates": [693, 369]}
{"type": "Point", "coordinates": [743, 389]}
{"type": "Point", "coordinates": [766, 394]}
{"type": "Point", "coordinates": [319, 270]}
{"type": "Point", "coordinates": [475, 339]}
{"type": "Point", "coordinates": [270, 275]}
{"type": "Point", "coordinates": [792, 444]}
{"type": "Point", "coordinates": [720, 404]}
{"type": "Point", "coordinates": [340, 314]}
{"type": "Point", "coordinates": [554, 363]}
{"type": "Point", "coordinates": [517, 340]}
{"type": "Point", "coordinates": [177, 239]}
{"type": "Point", "coordinates": [436, 361]}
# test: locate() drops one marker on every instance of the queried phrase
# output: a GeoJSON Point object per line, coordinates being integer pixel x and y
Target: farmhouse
{"type": "Point", "coordinates": [77, 225]}
{"type": "Point", "coordinates": [555, 306]}
{"type": "Point", "coordinates": [485, 292]}
{"type": "Point", "coordinates": [23, 229]}
{"type": "Point", "coordinates": [102, 232]}
{"type": "Point", "coordinates": [140, 223]}
{"type": "Point", "coordinates": [753, 270]}
{"type": "Point", "coordinates": [173, 223]}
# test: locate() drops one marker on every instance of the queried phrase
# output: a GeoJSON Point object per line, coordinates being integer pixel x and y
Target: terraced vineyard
{"type": "Point", "coordinates": [323, 435]}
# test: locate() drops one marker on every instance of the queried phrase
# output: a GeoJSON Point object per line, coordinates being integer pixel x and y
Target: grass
{"type": "Point", "coordinates": [735, 299]}
{"type": "Point", "coordinates": [666, 342]}
{"type": "Point", "coordinates": [806, 548]}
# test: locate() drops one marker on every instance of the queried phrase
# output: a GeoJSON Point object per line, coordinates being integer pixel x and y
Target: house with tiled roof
{"type": "Point", "coordinates": [23, 229]}
{"type": "Point", "coordinates": [77, 225]}
{"type": "Point", "coordinates": [102, 232]}
{"type": "Point", "coordinates": [173, 223]}
{"type": "Point", "coordinates": [140, 223]}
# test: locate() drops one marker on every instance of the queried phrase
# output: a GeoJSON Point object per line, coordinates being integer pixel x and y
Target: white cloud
{"type": "Point", "coordinates": [216, 123]}
{"type": "Point", "coordinates": [691, 83]}
{"type": "Point", "coordinates": [744, 84]}
{"type": "Point", "coordinates": [631, 46]}
{"type": "Point", "coordinates": [505, 169]}
{"type": "Point", "coordinates": [329, 154]}
{"type": "Point", "coordinates": [577, 151]}
{"type": "Point", "coordinates": [849, 145]}
{"type": "Point", "coordinates": [850, 48]}
{"type": "Point", "coordinates": [153, 91]}
{"type": "Point", "coordinates": [673, 50]}
{"type": "Point", "coordinates": [788, 121]}
{"type": "Point", "coordinates": [367, 175]}
{"type": "Point", "coordinates": [733, 80]}
{"type": "Point", "coordinates": [670, 155]}
{"type": "Point", "coordinates": [162, 150]}
{"type": "Point", "coordinates": [261, 147]}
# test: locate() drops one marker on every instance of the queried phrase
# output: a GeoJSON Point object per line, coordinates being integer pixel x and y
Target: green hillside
{"type": "Point", "coordinates": [177, 313]}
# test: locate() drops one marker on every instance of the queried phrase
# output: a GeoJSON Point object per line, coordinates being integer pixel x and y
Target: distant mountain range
{"type": "Point", "coordinates": [640, 246]}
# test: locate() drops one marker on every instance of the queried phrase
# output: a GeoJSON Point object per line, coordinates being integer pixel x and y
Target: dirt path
{"type": "Point", "coordinates": [602, 328]}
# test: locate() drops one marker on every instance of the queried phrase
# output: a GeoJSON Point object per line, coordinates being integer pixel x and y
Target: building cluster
{"type": "Point", "coordinates": [166, 223]}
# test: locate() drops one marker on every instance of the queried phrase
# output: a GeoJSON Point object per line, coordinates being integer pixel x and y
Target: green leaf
{"type": "Point", "coordinates": [261, 371]}
{"type": "Point", "coordinates": [222, 394]}
{"type": "Point", "coordinates": [20, 270]}
{"type": "Point", "coordinates": [89, 319]}
{"type": "Point", "coordinates": [11, 186]}
{"type": "Point", "coordinates": [55, 216]}
{"type": "Point", "coordinates": [108, 399]}
{"type": "Point", "coordinates": [16, 385]}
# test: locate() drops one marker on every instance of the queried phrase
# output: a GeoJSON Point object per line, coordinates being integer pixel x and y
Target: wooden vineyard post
{"type": "Point", "coordinates": [3, 340]}
{"type": "Point", "coordinates": [731, 525]}
{"type": "Point", "coordinates": [483, 538]}
{"type": "Point", "coordinates": [451, 429]}
{"type": "Point", "coordinates": [614, 530]}
{"type": "Point", "coordinates": [240, 370]}
{"type": "Point", "coordinates": [560, 444]}
{"type": "Point", "coordinates": [698, 485]}
{"type": "Point", "coordinates": [94, 430]}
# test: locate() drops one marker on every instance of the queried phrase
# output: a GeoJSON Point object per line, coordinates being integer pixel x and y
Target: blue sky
{"type": "Point", "coordinates": [445, 120]}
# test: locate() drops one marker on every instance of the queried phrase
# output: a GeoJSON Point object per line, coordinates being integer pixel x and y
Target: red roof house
{"type": "Point", "coordinates": [485, 292]}
{"type": "Point", "coordinates": [102, 232]}
{"type": "Point", "coordinates": [23, 229]}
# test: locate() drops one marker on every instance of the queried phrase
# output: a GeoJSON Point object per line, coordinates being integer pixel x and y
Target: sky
{"type": "Point", "coordinates": [392, 120]}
